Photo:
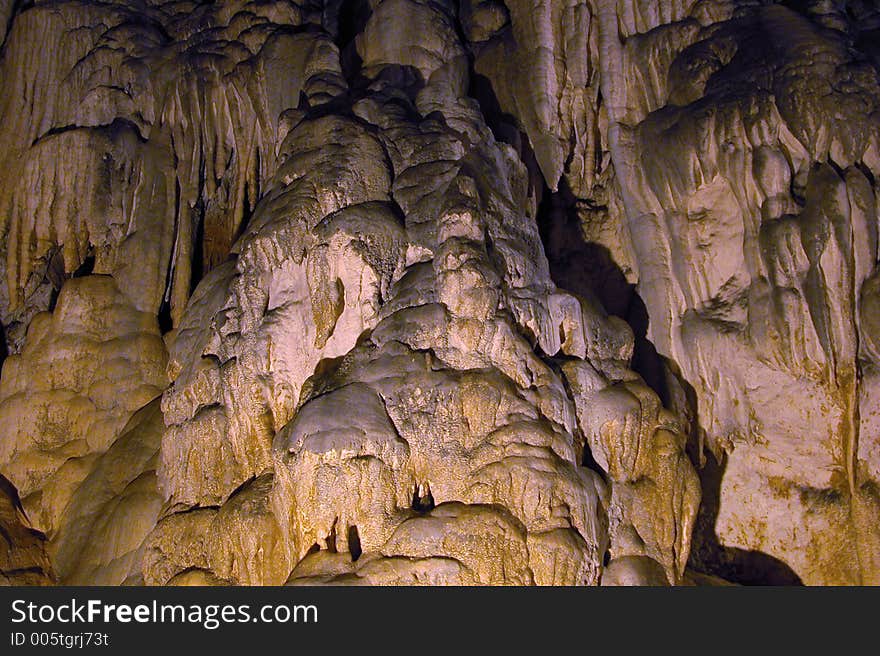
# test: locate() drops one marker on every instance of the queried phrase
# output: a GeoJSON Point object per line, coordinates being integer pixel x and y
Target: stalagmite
{"type": "Point", "coordinates": [386, 292]}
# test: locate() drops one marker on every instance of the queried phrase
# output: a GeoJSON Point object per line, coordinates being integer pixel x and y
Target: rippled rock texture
{"type": "Point", "coordinates": [439, 292]}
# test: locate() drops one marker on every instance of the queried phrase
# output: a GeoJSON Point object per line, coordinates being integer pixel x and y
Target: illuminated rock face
{"type": "Point", "coordinates": [748, 180]}
{"type": "Point", "coordinates": [439, 293]}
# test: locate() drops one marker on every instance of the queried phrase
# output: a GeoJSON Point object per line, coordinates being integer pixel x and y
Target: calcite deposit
{"type": "Point", "coordinates": [475, 292]}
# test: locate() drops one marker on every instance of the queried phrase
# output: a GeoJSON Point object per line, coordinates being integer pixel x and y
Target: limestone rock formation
{"type": "Point", "coordinates": [66, 398]}
{"type": "Point", "coordinates": [23, 560]}
{"type": "Point", "coordinates": [385, 292]}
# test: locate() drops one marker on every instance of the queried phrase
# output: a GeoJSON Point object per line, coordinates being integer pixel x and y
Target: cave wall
{"type": "Point", "coordinates": [439, 292]}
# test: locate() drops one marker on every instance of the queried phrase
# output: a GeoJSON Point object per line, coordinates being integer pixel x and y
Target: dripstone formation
{"type": "Point", "coordinates": [569, 292]}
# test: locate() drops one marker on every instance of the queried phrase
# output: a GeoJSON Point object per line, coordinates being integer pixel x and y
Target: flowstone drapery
{"type": "Point", "coordinates": [411, 292]}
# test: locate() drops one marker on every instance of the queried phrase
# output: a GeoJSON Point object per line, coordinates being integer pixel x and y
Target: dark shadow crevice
{"type": "Point", "coordinates": [589, 270]}
{"type": "Point", "coordinates": [709, 556]}
{"type": "Point", "coordinates": [344, 21]}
